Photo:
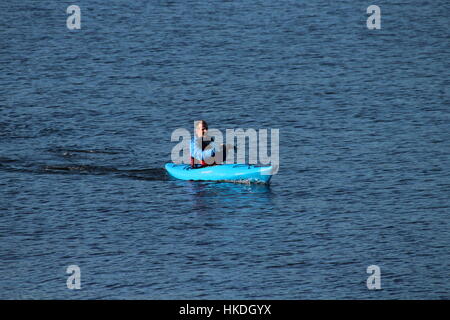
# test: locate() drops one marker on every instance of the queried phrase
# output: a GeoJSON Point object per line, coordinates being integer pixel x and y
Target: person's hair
{"type": "Point", "coordinates": [201, 122]}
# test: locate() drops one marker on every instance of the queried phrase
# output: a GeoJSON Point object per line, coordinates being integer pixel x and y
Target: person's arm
{"type": "Point", "coordinates": [198, 153]}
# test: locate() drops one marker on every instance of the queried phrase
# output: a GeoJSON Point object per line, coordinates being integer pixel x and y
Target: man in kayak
{"type": "Point", "coordinates": [204, 152]}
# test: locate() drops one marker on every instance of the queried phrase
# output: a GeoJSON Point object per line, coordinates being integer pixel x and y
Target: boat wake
{"type": "Point", "coordinates": [72, 161]}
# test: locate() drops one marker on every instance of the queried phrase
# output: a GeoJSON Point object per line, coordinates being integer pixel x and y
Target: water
{"type": "Point", "coordinates": [85, 124]}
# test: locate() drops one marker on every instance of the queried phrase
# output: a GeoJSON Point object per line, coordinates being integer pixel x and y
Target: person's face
{"type": "Point", "coordinates": [201, 130]}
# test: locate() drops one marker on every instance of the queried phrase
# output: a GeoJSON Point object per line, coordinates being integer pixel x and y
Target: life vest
{"type": "Point", "coordinates": [202, 162]}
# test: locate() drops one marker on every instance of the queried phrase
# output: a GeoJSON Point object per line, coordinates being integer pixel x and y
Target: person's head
{"type": "Point", "coordinates": [201, 127]}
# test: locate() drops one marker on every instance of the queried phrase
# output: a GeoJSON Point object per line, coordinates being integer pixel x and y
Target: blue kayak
{"type": "Point", "coordinates": [223, 172]}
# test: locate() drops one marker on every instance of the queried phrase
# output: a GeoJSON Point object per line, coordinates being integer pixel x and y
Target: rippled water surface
{"type": "Point", "coordinates": [85, 124]}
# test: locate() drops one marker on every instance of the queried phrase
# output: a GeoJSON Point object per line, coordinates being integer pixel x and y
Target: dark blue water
{"type": "Point", "coordinates": [85, 124]}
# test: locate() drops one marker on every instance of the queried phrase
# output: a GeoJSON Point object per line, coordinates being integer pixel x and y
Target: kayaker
{"type": "Point", "coordinates": [204, 152]}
